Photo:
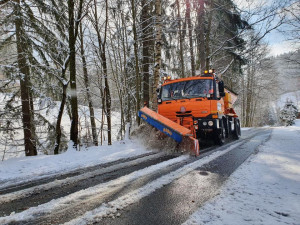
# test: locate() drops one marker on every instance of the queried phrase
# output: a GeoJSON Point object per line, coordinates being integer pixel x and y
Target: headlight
{"type": "Point", "coordinates": [204, 123]}
{"type": "Point", "coordinates": [210, 123]}
{"type": "Point", "coordinates": [195, 122]}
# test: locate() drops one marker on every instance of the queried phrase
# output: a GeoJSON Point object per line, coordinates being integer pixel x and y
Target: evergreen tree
{"type": "Point", "coordinates": [289, 113]}
{"type": "Point", "coordinates": [38, 38]}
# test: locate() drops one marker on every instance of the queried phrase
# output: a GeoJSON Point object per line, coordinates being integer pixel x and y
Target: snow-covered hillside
{"type": "Point", "coordinates": [14, 148]}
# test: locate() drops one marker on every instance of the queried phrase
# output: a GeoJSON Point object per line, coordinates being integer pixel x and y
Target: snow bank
{"type": "Point", "coordinates": [28, 168]}
{"type": "Point", "coordinates": [264, 190]}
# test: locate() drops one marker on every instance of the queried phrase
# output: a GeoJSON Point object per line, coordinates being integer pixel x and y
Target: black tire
{"type": "Point", "coordinates": [219, 135]}
{"type": "Point", "coordinates": [226, 126]}
{"type": "Point", "coordinates": [237, 129]}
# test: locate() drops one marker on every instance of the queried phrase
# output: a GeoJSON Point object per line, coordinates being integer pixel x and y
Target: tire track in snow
{"type": "Point", "coordinates": [60, 183]}
{"type": "Point", "coordinates": [19, 184]}
{"type": "Point", "coordinates": [86, 195]}
{"type": "Point", "coordinates": [111, 208]}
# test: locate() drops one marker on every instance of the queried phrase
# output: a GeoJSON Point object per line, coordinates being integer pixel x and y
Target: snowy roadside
{"type": "Point", "coordinates": [264, 190]}
{"type": "Point", "coordinates": [22, 169]}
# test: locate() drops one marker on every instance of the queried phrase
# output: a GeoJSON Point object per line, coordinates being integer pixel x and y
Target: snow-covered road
{"type": "Point", "coordinates": [264, 190]}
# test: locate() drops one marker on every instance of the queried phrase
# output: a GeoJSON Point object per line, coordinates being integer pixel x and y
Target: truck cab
{"type": "Point", "coordinates": [197, 103]}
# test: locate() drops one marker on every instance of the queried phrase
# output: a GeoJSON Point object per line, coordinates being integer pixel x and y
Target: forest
{"type": "Point", "coordinates": [78, 71]}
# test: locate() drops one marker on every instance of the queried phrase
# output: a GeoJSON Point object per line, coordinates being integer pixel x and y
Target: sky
{"type": "Point", "coordinates": [278, 43]}
{"type": "Point", "coordinates": [278, 38]}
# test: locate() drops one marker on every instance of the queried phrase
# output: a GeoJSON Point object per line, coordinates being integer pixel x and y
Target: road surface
{"type": "Point", "coordinates": [154, 188]}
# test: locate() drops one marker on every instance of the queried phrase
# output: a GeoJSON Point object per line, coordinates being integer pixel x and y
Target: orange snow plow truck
{"type": "Point", "coordinates": [195, 108]}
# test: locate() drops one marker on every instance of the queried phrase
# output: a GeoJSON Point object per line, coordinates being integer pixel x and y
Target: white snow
{"type": "Point", "coordinates": [88, 194]}
{"type": "Point", "coordinates": [59, 183]}
{"type": "Point", "coordinates": [111, 208]}
{"type": "Point", "coordinates": [264, 190]}
{"type": "Point", "coordinates": [12, 149]}
{"type": "Point", "coordinates": [246, 128]}
{"type": "Point", "coordinates": [22, 169]}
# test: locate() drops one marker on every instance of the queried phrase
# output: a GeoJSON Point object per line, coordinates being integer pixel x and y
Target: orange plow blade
{"type": "Point", "coordinates": [170, 128]}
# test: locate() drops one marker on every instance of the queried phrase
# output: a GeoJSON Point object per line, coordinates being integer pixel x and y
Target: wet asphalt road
{"type": "Point", "coordinates": [40, 197]}
{"type": "Point", "coordinates": [174, 203]}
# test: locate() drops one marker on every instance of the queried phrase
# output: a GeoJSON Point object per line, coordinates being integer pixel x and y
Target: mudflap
{"type": "Point", "coordinates": [191, 145]}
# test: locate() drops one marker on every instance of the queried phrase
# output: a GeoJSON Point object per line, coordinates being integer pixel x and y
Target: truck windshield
{"type": "Point", "coordinates": [187, 89]}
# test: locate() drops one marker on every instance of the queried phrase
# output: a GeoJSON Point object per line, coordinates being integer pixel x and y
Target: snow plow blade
{"type": "Point", "coordinates": [174, 130]}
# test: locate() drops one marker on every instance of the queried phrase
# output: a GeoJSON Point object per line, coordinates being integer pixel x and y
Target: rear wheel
{"type": "Point", "coordinates": [226, 126]}
{"type": "Point", "coordinates": [237, 129]}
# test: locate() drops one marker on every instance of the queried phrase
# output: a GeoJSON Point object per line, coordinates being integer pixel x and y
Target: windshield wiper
{"type": "Point", "coordinates": [195, 96]}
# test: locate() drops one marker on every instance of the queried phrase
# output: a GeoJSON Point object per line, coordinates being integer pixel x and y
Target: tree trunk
{"type": "Point", "coordinates": [107, 95]}
{"type": "Point", "coordinates": [117, 73]}
{"type": "Point", "coordinates": [200, 36]}
{"type": "Point", "coordinates": [126, 83]}
{"type": "Point", "coordinates": [146, 50]}
{"type": "Point", "coordinates": [87, 87]}
{"type": "Point", "coordinates": [72, 69]}
{"type": "Point", "coordinates": [33, 130]}
{"type": "Point", "coordinates": [248, 97]}
{"type": "Point", "coordinates": [29, 142]}
{"type": "Point", "coordinates": [106, 84]}
{"type": "Point", "coordinates": [207, 42]}
{"type": "Point", "coordinates": [182, 73]}
{"type": "Point", "coordinates": [59, 118]}
{"type": "Point", "coordinates": [157, 61]}
{"type": "Point", "coordinates": [137, 71]}
{"type": "Point", "coordinates": [189, 22]}
{"type": "Point", "coordinates": [106, 99]}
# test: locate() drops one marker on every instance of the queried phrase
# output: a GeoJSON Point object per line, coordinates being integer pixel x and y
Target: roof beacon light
{"type": "Point", "coordinates": [205, 71]}
{"type": "Point", "coordinates": [211, 71]}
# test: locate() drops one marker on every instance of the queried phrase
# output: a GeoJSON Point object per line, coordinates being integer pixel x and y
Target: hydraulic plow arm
{"type": "Point", "coordinates": [170, 128]}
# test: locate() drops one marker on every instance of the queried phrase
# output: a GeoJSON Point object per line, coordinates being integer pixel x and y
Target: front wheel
{"type": "Point", "coordinates": [219, 135]}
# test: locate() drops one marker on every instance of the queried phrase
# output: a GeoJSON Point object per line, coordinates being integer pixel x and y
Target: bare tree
{"type": "Point", "coordinates": [189, 22]}
{"type": "Point", "coordinates": [87, 87]}
{"type": "Point", "coordinates": [158, 43]}
{"type": "Point", "coordinates": [180, 40]}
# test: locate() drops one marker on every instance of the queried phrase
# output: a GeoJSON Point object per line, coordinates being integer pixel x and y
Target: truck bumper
{"type": "Point", "coordinates": [208, 124]}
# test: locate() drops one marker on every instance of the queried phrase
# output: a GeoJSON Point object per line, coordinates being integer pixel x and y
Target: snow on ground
{"type": "Point", "coordinates": [28, 168]}
{"type": "Point", "coordinates": [12, 149]}
{"type": "Point", "coordinates": [89, 194]}
{"type": "Point", "coordinates": [111, 208]}
{"type": "Point", "coordinates": [73, 179]}
{"type": "Point", "coordinates": [246, 128]}
{"type": "Point", "coordinates": [264, 190]}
